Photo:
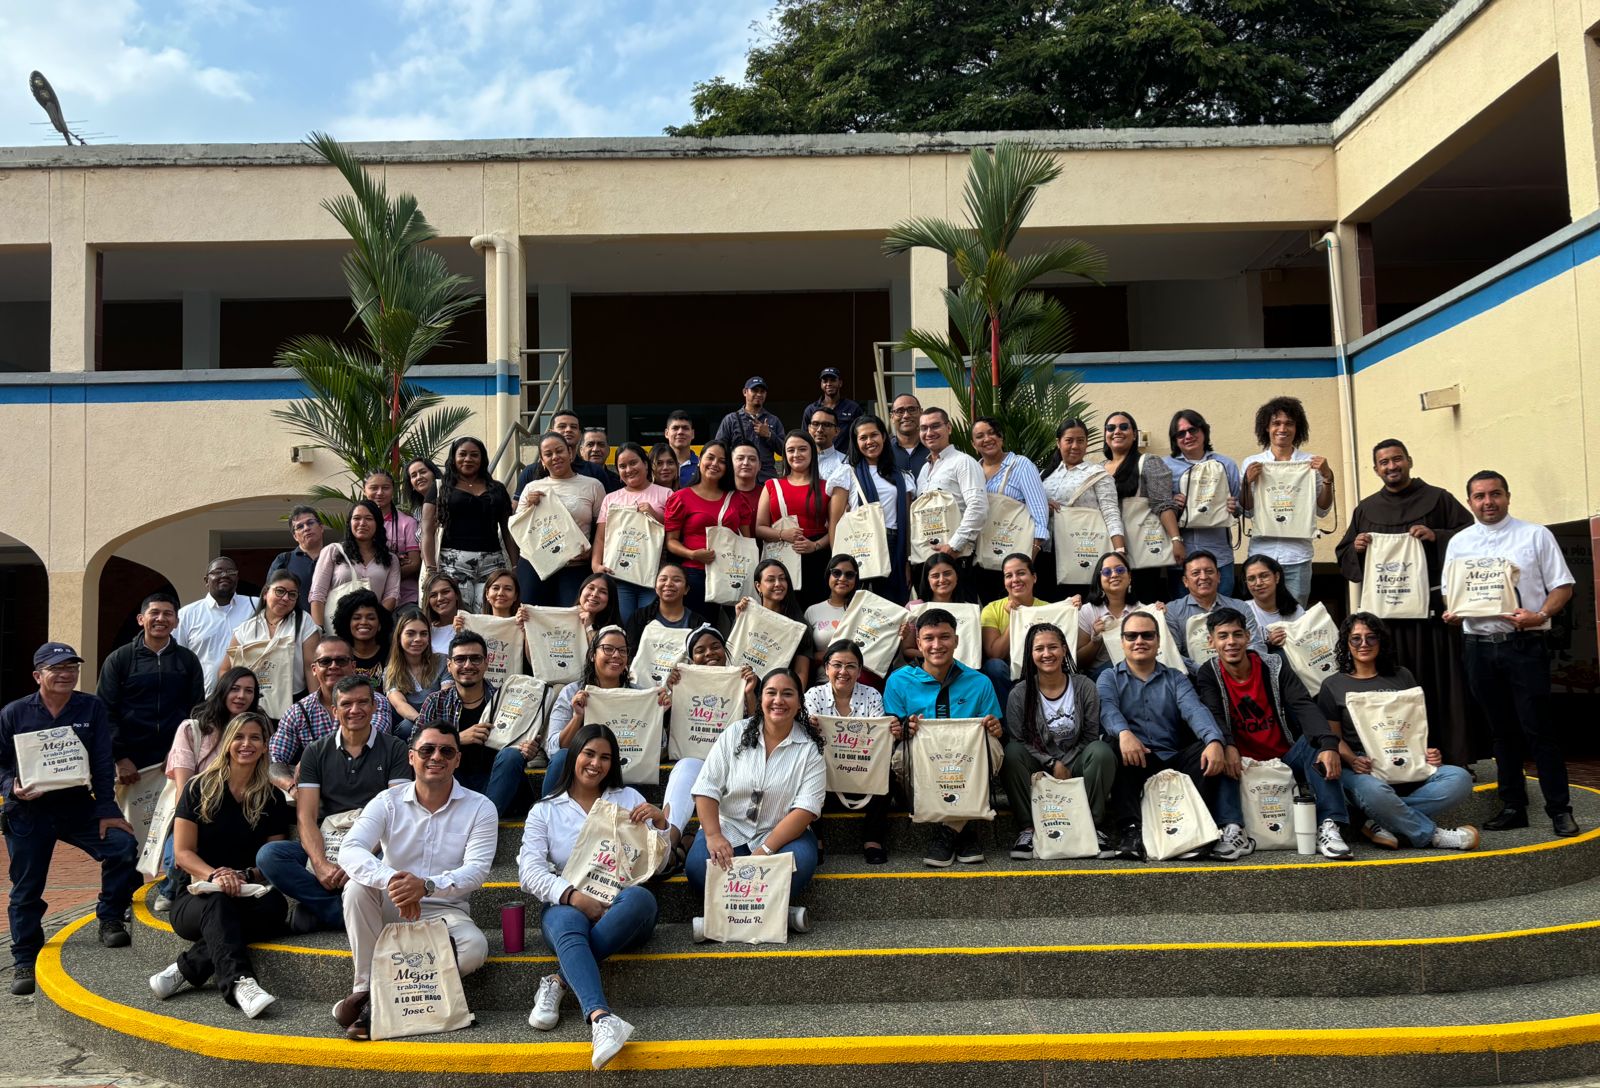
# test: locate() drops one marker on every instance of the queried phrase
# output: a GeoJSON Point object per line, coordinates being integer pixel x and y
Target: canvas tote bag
{"type": "Point", "coordinates": [506, 645]}
{"type": "Point", "coordinates": [52, 759]}
{"type": "Point", "coordinates": [1168, 652]}
{"type": "Point", "coordinates": [1311, 642]}
{"type": "Point", "coordinates": [613, 853]}
{"type": "Point", "coordinates": [1393, 729]}
{"type": "Point", "coordinates": [861, 534]}
{"type": "Point", "coordinates": [969, 629]}
{"type": "Point", "coordinates": [1196, 639]}
{"type": "Point", "coordinates": [873, 623]}
{"type": "Point", "coordinates": [520, 714]}
{"type": "Point", "coordinates": [334, 830]}
{"type": "Point", "coordinates": [272, 660]}
{"type": "Point", "coordinates": [748, 903]}
{"type": "Point", "coordinates": [635, 717]}
{"type": "Point", "coordinates": [416, 986]}
{"type": "Point", "coordinates": [1062, 826]}
{"type": "Point", "coordinates": [764, 640]}
{"type": "Point", "coordinates": [950, 771]}
{"type": "Point", "coordinates": [1394, 581]}
{"type": "Point", "coordinates": [1175, 817]}
{"type": "Point", "coordinates": [1481, 587]}
{"type": "Point", "coordinates": [1149, 543]}
{"type": "Point", "coordinates": [1266, 792]}
{"type": "Point", "coordinates": [731, 574]}
{"type": "Point", "coordinates": [1284, 500]}
{"type": "Point", "coordinates": [1007, 527]}
{"type": "Point", "coordinates": [935, 516]}
{"type": "Point", "coordinates": [1063, 615]}
{"type": "Point", "coordinates": [1205, 491]}
{"type": "Point", "coordinates": [660, 649]}
{"type": "Point", "coordinates": [150, 860]}
{"type": "Point", "coordinates": [704, 700]}
{"type": "Point", "coordinates": [857, 757]}
{"type": "Point", "coordinates": [633, 545]}
{"type": "Point", "coordinates": [556, 643]}
{"type": "Point", "coordinates": [547, 535]}
{"type": "Point", "coordinates": [1078, 537]}
{"type": "Point", "coordinates": [339, 592]}
{"type": "Point", "coordinates": [138, 800]}
{"type": "Point", "coordinates": [782, 550]}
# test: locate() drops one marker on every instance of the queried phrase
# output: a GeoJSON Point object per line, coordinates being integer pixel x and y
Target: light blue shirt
{"type": "Point", "coordinates": [1157, 709]}
{"type": "Point", "coordinates": [1020, 479]}
{"type": "Point", "coordinates": [1215, 541]}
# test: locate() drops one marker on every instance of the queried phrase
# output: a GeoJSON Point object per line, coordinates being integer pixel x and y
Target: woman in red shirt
{"type": "Point", "coordinates": [708, 500]}
{"type": "Point", "coordinates": [799, 495]}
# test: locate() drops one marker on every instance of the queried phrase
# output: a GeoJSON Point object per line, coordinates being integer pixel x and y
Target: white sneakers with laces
{"type": "Point", "coordinates": [1464, 837]}
{"type": "Point", "coordinates": [609, 1033]}
{"type": "Point", "coordinates": [1330, 843]}
{"type": "Point", "coordinates": [1233, 844]}
{"type": "Point", "coordinates": [167, 982]}
{"type": "Point", "coordinates": [251, 998]}
{"type": "Point", "coordinates": [546, 1012]}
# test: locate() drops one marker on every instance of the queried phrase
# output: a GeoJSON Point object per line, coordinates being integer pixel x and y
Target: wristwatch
{"type": "Point", "coordinates": [428, 886]}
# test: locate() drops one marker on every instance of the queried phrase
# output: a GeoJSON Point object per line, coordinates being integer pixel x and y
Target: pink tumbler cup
{"type": "Point", "coordinates": [512, 919]}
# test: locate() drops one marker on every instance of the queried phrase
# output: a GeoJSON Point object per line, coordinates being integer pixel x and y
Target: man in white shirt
{"type": "Point", "coordinates": [959, 474]}
{"type": "Point", "coordinates": [1506, 661]}
{"type": "Point", "coordinates": [822, 424]}
{"type": "Point", "coordinates": [417, 851]}
{"type": "Point", "coordinates": [206, 626]}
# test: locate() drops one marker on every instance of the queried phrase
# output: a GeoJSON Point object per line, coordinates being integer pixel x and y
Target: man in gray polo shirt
{"type": "Point", "coordinates": [339, 773]}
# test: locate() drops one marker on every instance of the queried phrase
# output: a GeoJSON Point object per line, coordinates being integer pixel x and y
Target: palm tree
{"type": "Point", "coordinates": [361, 407]}
{"type": "Point", "coordinates": [1009, 335]}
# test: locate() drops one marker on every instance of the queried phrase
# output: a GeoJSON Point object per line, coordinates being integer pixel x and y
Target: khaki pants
{"type": "Point", "coordinates": [368, 910]}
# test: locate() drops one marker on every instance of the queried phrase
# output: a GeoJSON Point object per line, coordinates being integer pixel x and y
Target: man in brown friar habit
{"type": "Point", "coordinates": [1430, 649]}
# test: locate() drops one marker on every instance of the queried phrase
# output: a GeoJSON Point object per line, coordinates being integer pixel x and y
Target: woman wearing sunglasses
{"type": "Point", "coordinates": [1394, 813]}
{"type": "Point", "coordinates": [1142, 476]}
{"type": "Point", "coordinates": [825, 616]}
{"type": "Point", "coordinates": [1110, 599]}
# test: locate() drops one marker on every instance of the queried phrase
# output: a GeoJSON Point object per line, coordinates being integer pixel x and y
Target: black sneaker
{"type": "Point", "coordinates": [941, 848]}
{"type": "Point", "coordinates": [1131, 846]}
{"type": "Point", "coordinates": [1108, 849]}
{"type": "Point", "coordinates": [1507, 819]}
{"type": "Point", "coordinates": [969, 844]}
{"type": "Point", "coordinates": [1022, 849]}
{"type": "Point", "coordinates": [22, 979]}
{"type": "Point", "coordinates": [113, 934]}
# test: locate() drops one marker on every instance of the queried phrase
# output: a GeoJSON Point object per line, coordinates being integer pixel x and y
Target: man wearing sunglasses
{"type": "Point", "coordinates": [339, 773]}
{"type": "Point", "coordinates": [312, 718]}
{"type": "Point", "coordinates": [417, 852]}
{"type": "Point", "coordinates": [469, 706]}
{"type": "Point", "coordinates": [1153, 717]}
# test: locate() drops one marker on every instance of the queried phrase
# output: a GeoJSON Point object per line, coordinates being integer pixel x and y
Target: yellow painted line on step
{"type": "Point", "coordinates": [440, 1057]}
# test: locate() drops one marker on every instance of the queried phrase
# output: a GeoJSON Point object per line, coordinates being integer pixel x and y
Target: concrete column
{"type": "Point", "coordinates": [202, 330]}
{"type": "Point", "coordinates": [900, 320]}
{"type": "Point", "coordinates": [75, 617]}
{"type": "Point", "coordinates": [73, 280]}
{"type": "Point", "coordinates": [1350, 278]}
{"type": "Point", "coordinates": [929, 277]}
{"type": "Point", "coordinates": [555, 331]}
{"type": "Point", "coordinates": [929, 182]}
{"type": "Point", "coordinates": [1578, 61]}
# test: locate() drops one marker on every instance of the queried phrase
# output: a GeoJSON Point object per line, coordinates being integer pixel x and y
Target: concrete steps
{"type": "Point", "coordinates": [1409, 968]}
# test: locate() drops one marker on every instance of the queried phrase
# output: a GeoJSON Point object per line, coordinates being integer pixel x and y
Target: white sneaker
{"type": "Point", "coordinates": [697, 927]}
{"type": "Point", "coordinates": [546, 1012]}
{"type": "Point", "coordinates": [1233, 844]}
{"type": "Point", "coordinates": [252, 999]}
{"type": "Point", "coordinates": [1330, 842]}
{"type": "Point", "coordinates": [609, 1033]}
{"type": "Point", "coordinates": [161, 905]}
{"type": "Point", "coordinates": [167, 982]}
{"type": "Point", "coordinates": [1464, 837]}
{"type": "Point", "coordinates": [799, 920]}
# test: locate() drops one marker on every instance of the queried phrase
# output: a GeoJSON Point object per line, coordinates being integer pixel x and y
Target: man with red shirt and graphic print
{"type": "Point", "coordinates": [1266, 713]}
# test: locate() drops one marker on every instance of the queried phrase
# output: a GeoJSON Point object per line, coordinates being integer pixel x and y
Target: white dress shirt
{"type": "Point", "coordinates": [1286, 550]}
{"type": "Point", "coordinates": [844, 479]}
{"type": "Point", "coordinates": [792, 777]}
{"type": "Point", "coordinates": [453, 847]}
{"type": "Point", "coordinates": [206, 627]}
{"type": "Point", "coordinates": [959, 474]}
{"type": "Point", "coordinates": [550, 834]}
{"type": "Point", "coordinates": [1531, 547]}
{"type": "Point", "coordinates": [828, 461]}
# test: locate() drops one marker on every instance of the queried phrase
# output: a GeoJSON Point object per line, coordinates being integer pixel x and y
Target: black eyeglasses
{"type": "Point", "coordinates": [443, 751]}
{"type": "Point", "coordinates": [1138, 636]}
{"type": "Point", "coordinates": [841, 572]}
{"type": "Point", "coordinates": [1110, 572]}
{"type": "Point", "coordinates": [1119, 426]}
{"type": "Point", "coordinates": [467, 659]}
{"type": "Point", "coordinates": [340, 661]}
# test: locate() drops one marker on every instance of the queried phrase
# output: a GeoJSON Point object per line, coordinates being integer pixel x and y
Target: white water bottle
{"type": "Point", "coordinates": [1305, 825]}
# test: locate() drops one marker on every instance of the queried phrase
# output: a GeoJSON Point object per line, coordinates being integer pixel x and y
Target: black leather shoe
{"type": "Point", "coordinates": [1565, 825]}
{"type": "Point", "coordinates": [1131, 846]}
{"type": "Point", "coordinates": [114, 934]}
{"type": "Point", "coordinates": [1507, 819]}
{"type": "Point", "coordinates": [22, 979]}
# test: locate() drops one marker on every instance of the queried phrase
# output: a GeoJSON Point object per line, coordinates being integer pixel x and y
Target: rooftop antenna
{"type": "Point", "coordinates": [45, 95]}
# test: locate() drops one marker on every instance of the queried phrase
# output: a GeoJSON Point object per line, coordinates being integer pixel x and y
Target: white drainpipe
{"type": "Point", "coordinates": [505, 248]}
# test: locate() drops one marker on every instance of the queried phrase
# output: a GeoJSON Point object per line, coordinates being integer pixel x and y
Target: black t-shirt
{"type": "Point", "coordinates": [1335, 689]}
{"type": "Point", "coordinates": [227, 840]}
{"type": "Point", "coordinates": [344, 781]}
{"type": "Point", "coordinates": [472, 522]}
{"type": "Point", "coordinates": [475, 758]}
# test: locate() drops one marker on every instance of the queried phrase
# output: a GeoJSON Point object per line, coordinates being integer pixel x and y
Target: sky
{"type": "Point", "coordinates": [238, 71]}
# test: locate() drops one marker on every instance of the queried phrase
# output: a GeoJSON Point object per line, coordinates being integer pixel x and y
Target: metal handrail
{"type": "Point", "coordinates": [881, 350]}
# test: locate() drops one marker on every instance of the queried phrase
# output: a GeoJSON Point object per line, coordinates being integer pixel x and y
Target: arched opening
{"type": "Point", "coordinates": [24, 615]}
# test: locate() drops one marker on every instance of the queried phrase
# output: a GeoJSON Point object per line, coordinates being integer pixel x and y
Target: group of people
{"type": "Point", "coordinates": [329, 739]}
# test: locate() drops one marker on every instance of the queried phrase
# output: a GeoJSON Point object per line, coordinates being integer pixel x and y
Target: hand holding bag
{"type": "Point", "coordinates": [764, 640]}
{"type": "Point", "coordinates": [557, 643]}
{"type": "Point", "coordinates": [704, 700]}
{"type": "Point", "coordinates": [138, 800]}
{"type": "Point", "coordinates": [612, 853]}
{"type": "Point", "coordinates": [1394, 579]}
{"type": "Point", "coordinates": [547, 535]}
{"type": "Point", "coordinates": [861, 534]}
{"type": "Point", "coordinates": [416, 985]}
{"type": "Point", "coordinates": [748, 903]}
{"type": "Point", "coordinates": [52, 759]}
{"type": "Point", "coordinates": [857, 756]}
{"type": "Point", "coordinates": [950, 771]}
{"type": "Point", "coordinates": [635, 717]}
{"type": "Point", "coordinates": [1284, 500]}
{"type": "Point", "coordinates": [782, 550]}
{"type": "Point", "coordinates": [633, 544]}
{"type": "Point", "coordinates": [873, 623]}
{"type": "Point", "coordinates": [1481, 587]}
{"type": "Point", "coordinates": [1393, 729]}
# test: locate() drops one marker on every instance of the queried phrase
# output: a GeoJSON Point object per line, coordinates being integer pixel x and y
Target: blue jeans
{"type": "Point", "coordinates": [1302, 760]}
{"type": "Point", "coordinates": [804, 850]}
{"type": "Point", "coordinates": [284, 866]}
{"type": "Point", "coordinates": [32, 831]}
{"type": "Point", "coordinates": [1409, 814]}
{"type": "Point", "coordinates": [999, 674]}
{"type": "Point", "coordinates": [1297, 580]}
{"type": "Point", "coordinates": [581, 945]}
{"type": "Point", "coordinates": [552, 771]}
{"type": "Point", "coordinates": [503, 781]}
{"type": "Point", "coordinates": [631, 598]}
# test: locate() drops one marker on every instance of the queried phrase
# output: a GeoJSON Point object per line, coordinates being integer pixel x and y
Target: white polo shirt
{"type": "Point", "coordinates": [1531, 547]}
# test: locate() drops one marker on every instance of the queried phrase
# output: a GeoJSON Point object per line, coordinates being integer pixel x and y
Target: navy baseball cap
{"type": "Point", "coordinates": [755, 382]}
{"type": "Point", "coordinates": [829, 373]}
{"type": "Point", "coordinates": [54, 653]}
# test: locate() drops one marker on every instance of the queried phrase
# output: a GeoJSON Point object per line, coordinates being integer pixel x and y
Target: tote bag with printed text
{"type": "Point", "coordinates": [635, 716]}
{"type": "Point", "coordinates": [764, 640]}
{"type": "Point", "coordinates": [1174, 816]}
{"type": "Point", "coordinates": [861, 535]}
{"type": "Point", "coordinates": [1149, 544]}
{"type": "Point", "coordinates": [969, 628]}
{"type": "Point", "coordinates": [857, 756]}
{"type": "Point", "coordinates": [1205, 497]}
{"type": "Point", "coordinates": [1063, 615]}
{"type": "Point", "coordinates": [416, 985]}
{"type": "Point", "coordinates": [873, 623]}
{"type": "Point", "coordinates": [1394, 577]}
{"type": "Point", "coordinates": [1168, 652]}
{"type": "Point", "coordinates": [782, 550]}
{"type": "Point", "coordinates": [1266, 793]}
{"type": "Point", "coordinates": [935, 516]}
{"type": "Point", "coordinates": [731, 574]}
{"type": "Point", "coordinates": [1284, 500]}
{"type": "Point", "coordinates": [633, 545]}
{"type": "Point", "coordinates": [1393, 729]}
{"type": "Point", "coordinates": [1311, 643]}
{"type": "Point", "coordinates": [1481, 587]}
{"type": "Point", "coordinates": [1062, 825]}
{"type": "Point", "coordinates": [557, 643]}
{"type": "Point", "coordinates": [1007, 528]}
{"type": "Point", "coordinates": [547, 535]}
{"type": "Point", "coordinates": [748, 902]}
{"type": "Point", "coordinates": [950, 771]}
{"type": "Point", "coordinates": [660, 648]}
{"type": "Point", "coordinates": [502, 635]}
{"type": "Point", "coordinates": [612, 853]}
{"type": "Point", "coordinates": [704, 700]}
{"type": "Point", "coordinates": [51, 759]}
{"type": "Point", "coordinates": [520, 714]}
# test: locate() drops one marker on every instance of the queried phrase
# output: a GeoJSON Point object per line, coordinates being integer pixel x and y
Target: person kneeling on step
{"type": "Point", "coordinates": [1157, 722]}
{"type": "Point", "coordinates": [339, 774]}
{"type": "Point", "coordinates": [942, 687]}
{"type": "Point", "coordinates": [227, 813]}
{"type": "Point", "coordinates": [1266, 713]}
{"type": "Point", "coordinates": [1395, 813]}
{"type": "Point", "coordinates": [1053, 725]}
{"type": "Point", "coordinates": [581, 930]}
{"type": "Point", "coordinates": [761, 787]}
{"type": "Point", "coordinates": [416, 852]}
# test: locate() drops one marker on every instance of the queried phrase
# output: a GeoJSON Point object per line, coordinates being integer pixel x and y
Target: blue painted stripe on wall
{"type": "Point", "coordinates": [1177, 371]}
{"type": "Point", "coordinates": [175, 392]}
